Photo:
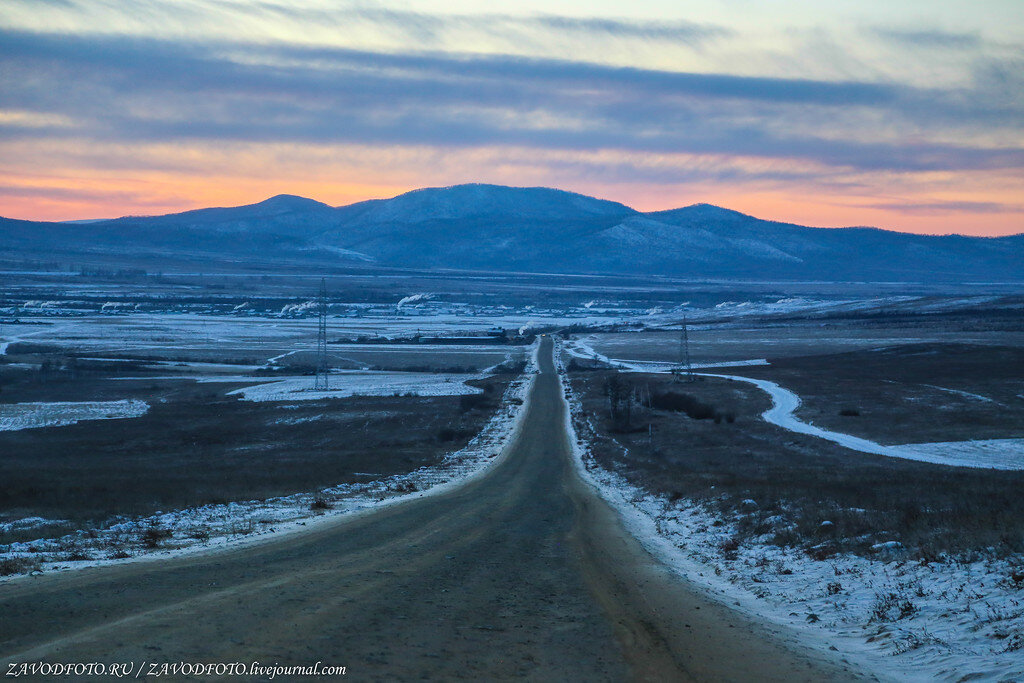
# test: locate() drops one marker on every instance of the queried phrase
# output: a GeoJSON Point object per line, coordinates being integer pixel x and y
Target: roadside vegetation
{"type": "Point", "coordinates": [788, 489]}
{"type": "Point", "coordinates": [198, 446]}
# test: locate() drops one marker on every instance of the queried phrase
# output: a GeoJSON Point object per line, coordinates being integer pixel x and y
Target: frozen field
{"type": "Point", "coordinates": [265, 337]}
{"type": "Point", "coordinates": [728, 343]}
{"type": "Point", "coordinates": [15, 416]}
{"type": "Point", "coordinates": [247, 341]}
{"type": "Point", "coordinates": [346, 384]}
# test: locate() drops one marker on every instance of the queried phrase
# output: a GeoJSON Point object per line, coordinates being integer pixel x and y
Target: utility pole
{"type": "Point", "coordinates": [321, 383]}
{"type": "Point", "coordinates": [683, 366]}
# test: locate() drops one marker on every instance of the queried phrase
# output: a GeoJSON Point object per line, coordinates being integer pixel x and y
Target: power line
{"type": "Point", "coordinates": [322, 370]}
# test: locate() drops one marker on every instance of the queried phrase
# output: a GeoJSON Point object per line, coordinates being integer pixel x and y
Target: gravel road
{"type": "Point", "coordinates": [523, 572]}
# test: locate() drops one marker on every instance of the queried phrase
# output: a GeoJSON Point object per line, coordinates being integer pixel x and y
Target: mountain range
{"type": "Point", "coordinates": [497, 228]}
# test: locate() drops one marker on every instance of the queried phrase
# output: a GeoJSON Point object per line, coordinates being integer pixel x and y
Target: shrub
{"type": "Point", "coordinates": [575, 365]}
{"type": "Point", "coordinates": [679, 402]}
{"type": "Point", "coordinates": [153, 536]}
{"type": "Point", "coordinates": [17, 565]}
{"type": "Point", "coordinates": [515, 367]}
{"type": "Point", "coordinates": [729, 547]}
{"type": "Point", "coordinates": [468, 402]}
{"type": "Point", "coordinates": [320, 503]}
{"type": "Point", "coordinates": [892, 606]}
{"type": "Point", "coordinates": [446, 434]}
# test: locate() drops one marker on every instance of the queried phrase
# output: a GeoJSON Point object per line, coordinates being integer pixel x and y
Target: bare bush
{"type": "Point", "coordinates": [18, 565]}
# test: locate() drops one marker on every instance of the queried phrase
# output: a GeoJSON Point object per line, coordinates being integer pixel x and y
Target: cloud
{"type": "Point", "coordinates": [351, 23]}
{"type": "Point", "coordinates": [948, 207]}
{"type": "Point", "coordinates": [685, 32]}
{"type": "Point", "coordinates": [120, 92]}
{"type": "Point", "coordinates": [86, 194]}
{"type": "Point", "coordinates": [930, 38]}
{"type": "Point", "coordinates": [131, 89]}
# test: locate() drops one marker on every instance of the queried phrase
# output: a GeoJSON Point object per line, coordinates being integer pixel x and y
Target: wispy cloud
{"type": "Point", "coordinates": [851, 111]}
{"type": "Point", "coordinates": [119, 88]}
{"type": "Point", "coordinates": [948, 207]}
{"type": "Point", "coordinates": [930, 38]}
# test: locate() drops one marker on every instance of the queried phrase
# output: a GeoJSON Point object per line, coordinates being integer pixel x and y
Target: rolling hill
{"type": "Point", "coordinates": [496, 228]}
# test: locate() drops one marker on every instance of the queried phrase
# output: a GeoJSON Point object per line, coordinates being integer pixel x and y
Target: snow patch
{"type": "Point", "coordinates": [15, 416]}
{"type": "Point", "coordinates": [581, 348]}
{"type": "Point", "coordinates": [360, 383]}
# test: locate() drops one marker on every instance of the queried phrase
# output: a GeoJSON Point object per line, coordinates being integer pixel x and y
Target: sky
{"type": "Point", "coordinates": [906, 115]}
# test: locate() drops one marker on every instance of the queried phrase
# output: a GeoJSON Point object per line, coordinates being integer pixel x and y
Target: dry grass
{"type": "Point", "coordinates": [197, 446]}
{"type": "Point", "coordinates": [806, 492]}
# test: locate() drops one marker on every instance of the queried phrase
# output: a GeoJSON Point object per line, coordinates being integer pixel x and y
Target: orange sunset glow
{"type": "Point", "coordinates": [109, 114]}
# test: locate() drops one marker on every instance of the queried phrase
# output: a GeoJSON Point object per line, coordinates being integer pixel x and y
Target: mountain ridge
{"type": "Point", "coordinates": [493, 227]}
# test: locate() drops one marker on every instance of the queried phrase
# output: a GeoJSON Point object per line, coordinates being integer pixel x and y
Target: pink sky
{"type": "Point", "coordinates": [864, 114]}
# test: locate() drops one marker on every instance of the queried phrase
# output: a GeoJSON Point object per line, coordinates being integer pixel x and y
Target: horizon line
{"type": "Point", "coordinates": [87, 221]}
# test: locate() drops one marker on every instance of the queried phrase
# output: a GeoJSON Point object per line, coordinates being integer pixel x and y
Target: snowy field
{"type": "Point", "coordinates": [910, 621]}
{"type": "Point", "coordinates": [15, 416]}
{"type": "Point", "coordinates": [738, 341]}
{"type": "Point", "coordinates": [582, 348]}
{"type": "Point", "coordinates": [347, 384]}
{"type": "Point", "coordinates": [266, 337]}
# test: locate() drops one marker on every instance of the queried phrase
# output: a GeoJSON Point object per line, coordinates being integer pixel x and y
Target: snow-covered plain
{"type": "Point", "coordinates": [212, 526]}
{"type": "Point", "coordinates": [15, 416]}
{"type": "Point", "coordinates": [346, 384]}
{"type": "Point", "coordinates": [581, 348]}
{"type": "Point", "coordinates": [898, 620]}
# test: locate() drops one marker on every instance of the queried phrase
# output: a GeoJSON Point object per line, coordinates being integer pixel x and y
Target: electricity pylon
{"type": "Point", "coordinates": [683, 365]}
{"type": "Point", "coordinates": [321, 383]}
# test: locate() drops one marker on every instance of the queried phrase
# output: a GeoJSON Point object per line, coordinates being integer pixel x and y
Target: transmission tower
{"type": "Point", "coordinates": [321, 383]}
{"type": "Point", "coordinates": [683, 366]}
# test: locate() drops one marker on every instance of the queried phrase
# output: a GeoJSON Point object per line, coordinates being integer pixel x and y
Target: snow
{"type": "Point", "coordinates": [246, 522]}
{"type": "Point", "coordinates": [998, 454]}
{"type": "Point", "coordinates": [897, 620]}
{"type": "Point", "coordinates": [581, 348]}
{"type": "Point", "coordinates": [15, 416]}
{"type": "Point", "coordinates": [342, 383]}
{"type": "Point", "coordinates": [360, 383]}
{"type": "Point", "coordinates": [26, 523]}
{"type": "Point", "coordinates": [963, 394]}
{"type": "Point", "coordinates": [270, 334]}
{"type": "Point", "coordinates": [274, 359]}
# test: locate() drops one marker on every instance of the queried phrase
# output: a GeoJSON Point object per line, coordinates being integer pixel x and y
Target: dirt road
{"type": "Point", "coordinates": [523, 572]}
